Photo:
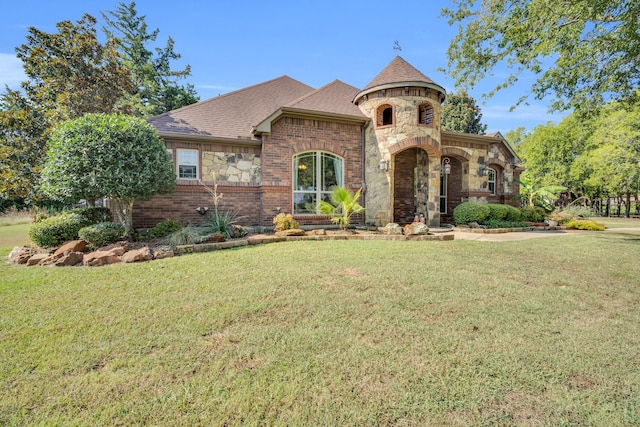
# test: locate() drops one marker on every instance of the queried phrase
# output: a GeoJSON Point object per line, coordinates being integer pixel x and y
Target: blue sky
{"type": "Point", "coordinates": [234, 44]}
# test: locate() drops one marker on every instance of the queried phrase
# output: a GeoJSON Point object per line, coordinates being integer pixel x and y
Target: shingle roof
{"type": "Point", "coordinates": [333, 98]}
{"type": "Point", "coordinates": [233, 114]}
{"type": "Point", "coordinates": [398, 71]}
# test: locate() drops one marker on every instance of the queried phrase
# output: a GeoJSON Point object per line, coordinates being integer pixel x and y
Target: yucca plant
{"type": "Point", "coordinates": [345, 205]}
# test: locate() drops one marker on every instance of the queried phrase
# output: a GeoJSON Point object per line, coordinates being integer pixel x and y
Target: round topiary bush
{"type": "Point", "coordinates": [533, 214]}
{"type": "Point", "coordinates": [497, 211]}
{"type": "Point", "coordinates": [468, 212]}
{"type": "Point", "coordinates": [101, 234]}
{"type": "Point", "coordinates": [56, 230]}
{"type": "Point", "coordinates": [513, 214]}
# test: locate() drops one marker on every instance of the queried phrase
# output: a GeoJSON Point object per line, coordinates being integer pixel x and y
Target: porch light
{"type": "Point", "coordinates": [483, 171]}
{"type": "Point", "coordinates": [446, 166]}
{"type": "Point", "coordinates": [384, 165]}
{"type": "Point", "coordinates": [202, 210]}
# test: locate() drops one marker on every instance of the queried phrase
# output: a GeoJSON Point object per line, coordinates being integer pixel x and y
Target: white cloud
{"type": "Point", "coordinates": [11, 72]}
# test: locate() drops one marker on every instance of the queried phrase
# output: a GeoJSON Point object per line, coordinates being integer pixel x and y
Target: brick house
{"type": "Point", "coordinates": [280, 146]}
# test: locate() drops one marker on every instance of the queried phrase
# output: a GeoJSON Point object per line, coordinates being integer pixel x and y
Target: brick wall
{"type": "Point", "coordinates": [403, 191]}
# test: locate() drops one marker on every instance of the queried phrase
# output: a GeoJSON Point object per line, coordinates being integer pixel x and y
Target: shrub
{"type": "Point", "coordinates": [561, 217]}
{"type": "Point", "coordinates": [163, 229]}
{"type": "Point", "coordinates": [468, 212]}
{"type": "Point", "coordinates": [497, 211]}
{"type": "Point", "coordinates": [95, 214]}
{"type": "Point", "coordinates": [185, 236]}
{"type": "Point", "coordinates": [513, 214]}
{"type": "Point", "coordinates": [532, 214]}
{"type": "Point", "coordinates": [284, 221]}
{"type": "Point", "coordinates": [583, 224]}
{"type": "Point", "coordinates": [101, 234]}
{"type": "Point", "coordinates": [498, 223]}
{"type": "Point", "coordinates": [221, 222]}
{"type": "Point", "coordinates": [56, 230]}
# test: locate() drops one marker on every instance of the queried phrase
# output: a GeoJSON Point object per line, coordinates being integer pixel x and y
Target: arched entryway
{"type": "Point", "coordinates": [410, 185]}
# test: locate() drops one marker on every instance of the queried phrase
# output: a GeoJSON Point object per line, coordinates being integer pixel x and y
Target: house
{"type": "Point", "coordinates": [280, 146]}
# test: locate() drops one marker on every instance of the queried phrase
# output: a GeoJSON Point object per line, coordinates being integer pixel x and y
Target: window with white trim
{"type": "Point", "coordinates": [491, 180]}
{"type": "Point", "coordinates": [187, 163]}
{"type": "Point", "coordinates": [315, 174]}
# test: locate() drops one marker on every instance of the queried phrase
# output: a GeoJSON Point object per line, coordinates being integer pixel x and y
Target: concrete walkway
{"type": "Point", "coordinates": [525, 235]}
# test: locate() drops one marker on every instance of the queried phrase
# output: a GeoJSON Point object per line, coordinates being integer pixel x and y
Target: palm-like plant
{"type": "Point", "coordinates": [542, 195]}
{"type": "Point", "coordinates": [345, 205]}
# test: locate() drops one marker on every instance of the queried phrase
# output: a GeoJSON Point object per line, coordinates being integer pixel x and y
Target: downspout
{"type": "Point", "coordinates": [364, 168]}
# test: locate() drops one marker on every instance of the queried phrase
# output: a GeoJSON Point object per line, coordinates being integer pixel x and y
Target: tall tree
{"type": "Point", "coordinates": [461, 113]}
{"type": "Point", "coordinates": [582, 52]}
{"type": "Point", "coordinates": [69, 73]}
{"type": "Point", "coordinates": [114, 156]}
{"type": "Point", "coordinates": [156, 88]}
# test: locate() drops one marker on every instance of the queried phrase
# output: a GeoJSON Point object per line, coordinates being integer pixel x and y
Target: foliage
{"type": "Point", "coordinates": [14, 216]}
{"type": "Point", "coordinates": [112, 156]}
{"type": "Point", "coordinates": [56, 230]}
{"type": "Point", "coordinates": [561, 216]}
{"type": "Point", "coordinates": [460, 113]}
{"type": "Point", "coordinates": [188, 235]}
{"type": "Point", "coordinates": [222, 221]}
{"type": "Point", "coordinates": [532, 213]}
{"type": "Point", "coordinates": [284, 221]}
{"type": "Point", "coordinates": [155, 90]}
{"type": "Point", "coordinates": [345, 205]}
{"type": "Point", "coordinates": [163, 229]}
{"type": "Point", "coordinates": [101, 234]}
{"type": "Point", "coordinates": [498, 211]}
{"type": "Point", "coordinates": [582, 51]}
{"type": "Point", "coordinates": [500, 223]}
{"type": "Point", "coordinates": [95, 214]}
{"type": "Point", "coordinates": [586, 224]}
{"type": "Point", "coordinates": [578, 211]}
{"type": "Point", "coordinates": [468, 212]}
{"type": "Point", "coordinates": [70, 73]}
{"type": "Point", "coordinates": [537, 196]}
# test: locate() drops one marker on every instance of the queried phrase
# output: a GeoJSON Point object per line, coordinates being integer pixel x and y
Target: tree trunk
{"type": "Point", "coordinates": [628, 207]}
{"type": "Point", "coordinates": [124, 210]}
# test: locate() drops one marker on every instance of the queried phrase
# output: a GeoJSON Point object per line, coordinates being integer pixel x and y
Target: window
{"type": "Point", "coordinates": [315, 174]}
{"type": "Point", "coordinates": [187, 164]}
{"type": "Point", "coordinates": [425, 114]}
{"type": "Point", "coordinates": [384, 116]}
{"type": "Point", "coordinates": [491, 180]}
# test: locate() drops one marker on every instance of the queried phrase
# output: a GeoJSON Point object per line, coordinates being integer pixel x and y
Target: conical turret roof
{"type": "Point", "coordinates": [399, 73]}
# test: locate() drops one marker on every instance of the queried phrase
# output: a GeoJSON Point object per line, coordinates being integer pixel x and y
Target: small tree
{"type": "Point", "coordinates": [345, 205]}
{"type": "Point", "coordinates": [538, 196]}
{"type": "Point", "coordinates": [114, 156]}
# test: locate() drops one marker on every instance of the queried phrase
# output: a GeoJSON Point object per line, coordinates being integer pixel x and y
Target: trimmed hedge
{"type": "Point", "coordinates": [56, 230]}
{"type": "Point", "coordinates": [468, 212]}
{"type": "Point", "coordinates": [163, 229]}
{"type": "Point", "coordinates": [101, 234]}
{"type": "Point", "coordinates": [535, 214]}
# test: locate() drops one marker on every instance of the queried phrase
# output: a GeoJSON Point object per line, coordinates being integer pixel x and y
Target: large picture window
{"type": "Point", "coordinates": [315, 174]}
{"type": "Point", "coordinates": [187, 164]}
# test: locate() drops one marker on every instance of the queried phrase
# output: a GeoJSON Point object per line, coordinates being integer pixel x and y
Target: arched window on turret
{"type": "Point", "coordinates": [384, 115]}
{"type": "Point", "coordinates": [425, 114]}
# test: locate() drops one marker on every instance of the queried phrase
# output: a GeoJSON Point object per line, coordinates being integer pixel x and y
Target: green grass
{"type": "Point", "coordinates": [618, 222]}
{"type": "Point", "coordinates": [538, 332]}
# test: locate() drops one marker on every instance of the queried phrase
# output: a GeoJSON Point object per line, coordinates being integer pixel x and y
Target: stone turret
{"type": "Point", "coordinates": [405, 109]}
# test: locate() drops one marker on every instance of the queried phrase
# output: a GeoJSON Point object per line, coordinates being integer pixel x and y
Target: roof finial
{"type": "Point", "coordinates": [396, 46]}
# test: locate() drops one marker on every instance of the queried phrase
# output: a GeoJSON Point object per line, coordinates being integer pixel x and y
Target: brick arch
{"type": "Point", "coordinates": [456, 152]}
{"type": "Point", "coordinates": [332, 148]}
{"type": "Point", "coordinates": [498, 162]}
{"type": "Point", "coordinates": [428, 144]}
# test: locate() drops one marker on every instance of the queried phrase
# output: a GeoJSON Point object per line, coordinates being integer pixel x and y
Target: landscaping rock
{"type": "Point", "coordinates": [36, 259]}
{"type": "Point", "coordinates": [391, 229]}
{"type": "Point", "coordinates": [69, 259]}
{"type": "Point", "coordinates": [136, 255]}
{"type": "Point", "coordinates": [115, 248]}
{"type": "Point", "coordinates": [72, 246]}
{"type": "Point", "coordinates": [317, 232]}
{"type": "Point", "coordinates": [99, 258]}
{"type": "Point", "coordinates": [20, 255]}
{"type": "Point", "coordinates": [162, 252]}
{"type": "Point", "coordinates": [215, 238]}
{"type": "Point", "coordinates": [290, 232]}
{"type": "Point", "coordinates": [51, 259]}
{"type": "Point", "coordinates": [415, 229]}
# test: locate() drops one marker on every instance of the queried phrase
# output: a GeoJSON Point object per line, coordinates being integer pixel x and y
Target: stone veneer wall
{"type": "Point", "coordinates": [231, 167]}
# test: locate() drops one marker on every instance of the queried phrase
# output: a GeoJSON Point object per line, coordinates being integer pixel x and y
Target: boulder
{"type": "Point", "coordinates": [51, 259]}
{"type": "Point", "coordinates": [99, 258]}
{"type": "Point", "coordinates": [114, 248]}
{"type": "Point", "coordinates": [136, 255]}
{"type": "Point", "coordinates": [20, 255]}
{"type": "Point", "coordinates": [215, 238]}
{"type": "Point", "coordinates": [69, 259]}
{"type": "Point", "coordinates": [161, 252]}
{"type": "Point", "coordinates": [391, 229]}
{"type": "Point", "coordinates": [36, 259]}
{"type": "Point", "coordinates": [72, 246]}
{"type": "Point", "coordinates": [290, 232]}
{"type": "Point", "coordinates": [415, 229]}
{"type": "Point", "coordinates": [317, 232]}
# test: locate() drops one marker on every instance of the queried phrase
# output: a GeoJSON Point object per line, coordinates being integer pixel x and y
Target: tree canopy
{"type": "Point", "coordinates": [155, 84]}
{"type": "Point", "coordinates": [461, 113]}
{"type": "Point", "coordinates": [115, 156]}
{"type": "Point", "coordinates": [581, 52]}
